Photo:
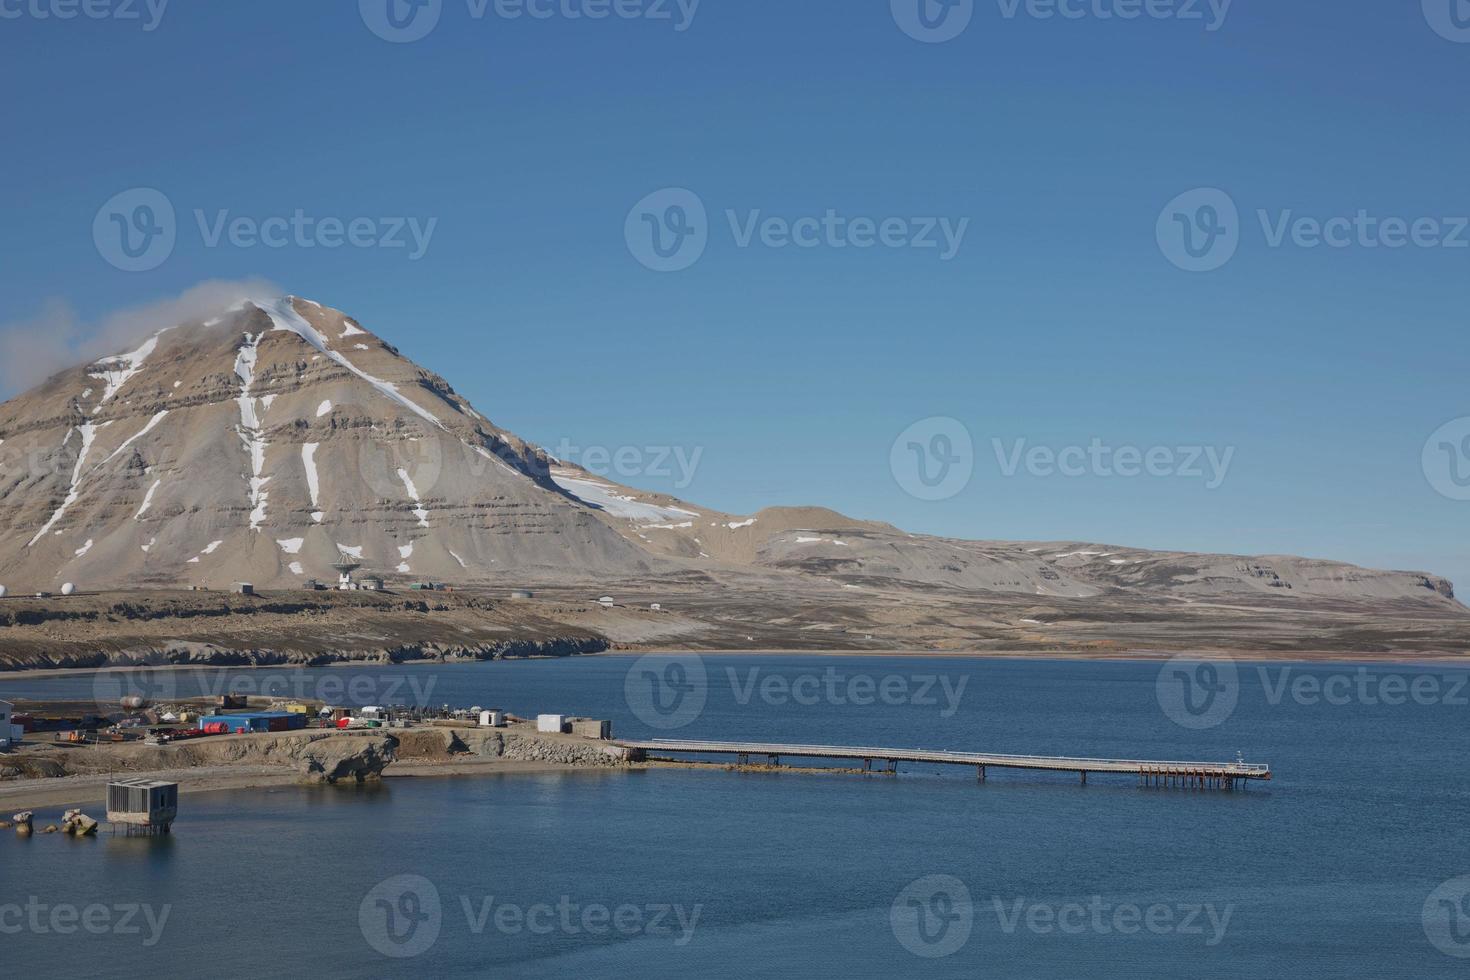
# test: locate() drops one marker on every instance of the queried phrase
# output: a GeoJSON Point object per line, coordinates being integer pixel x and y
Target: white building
{"type": "Point", "coordinates": [9, 733]}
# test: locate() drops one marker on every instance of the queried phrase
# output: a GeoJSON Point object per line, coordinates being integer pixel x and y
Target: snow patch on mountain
{"type": "Point", "coordinates": [313, 481]}
{"type": "Point", "coordinates": [119, 369]}
{"type": "Point", "coordinates": [413, 493]}
{"type": "Point", "coordinates": [249, 429]}
{"type": "Point", "coordinates": [285, 317]}
{"type": "Point", "coordinates": [147, 500]}
{"type": "Point", "coordinates": [89, 433]}
{"type": "Point", "coordinates": [605, 497]}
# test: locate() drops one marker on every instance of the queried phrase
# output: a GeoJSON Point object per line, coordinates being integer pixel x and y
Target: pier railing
{"type": "Point", "coordinates": [1204, 775]}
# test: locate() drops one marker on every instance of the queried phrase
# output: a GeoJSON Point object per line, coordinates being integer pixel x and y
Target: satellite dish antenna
{"type": "Point", "coordinates": [345, 565]}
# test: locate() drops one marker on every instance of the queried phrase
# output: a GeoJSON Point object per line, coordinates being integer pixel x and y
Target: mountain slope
{"type": "Point", "coordinates": [259, 444]}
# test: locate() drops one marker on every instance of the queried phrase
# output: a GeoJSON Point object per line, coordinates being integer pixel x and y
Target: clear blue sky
{"type": "Point", "coordinates": [1059, 320]}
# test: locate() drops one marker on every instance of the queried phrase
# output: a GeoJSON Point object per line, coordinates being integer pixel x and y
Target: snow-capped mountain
{"type": "Point", "coordinates": [261, 444]}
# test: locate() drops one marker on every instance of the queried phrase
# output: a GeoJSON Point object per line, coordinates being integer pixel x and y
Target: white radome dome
{"type": "Point", "coordinates": [68, 589]}
{"type": "Point", "coordinates": [2, 592]}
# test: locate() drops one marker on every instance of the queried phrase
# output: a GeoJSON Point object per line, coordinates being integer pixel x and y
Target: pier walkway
{"type": "Point", "coordinates": [1187, 775]}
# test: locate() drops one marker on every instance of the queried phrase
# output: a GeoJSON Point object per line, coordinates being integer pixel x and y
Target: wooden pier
{"type": "Point", "coordinates": [1180, 775]}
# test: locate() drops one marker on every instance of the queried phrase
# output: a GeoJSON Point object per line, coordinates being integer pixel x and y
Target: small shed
{"type": "Point", "coordinates": [607, 602]}
{"type": "Point", "coordinates": [243, 588]}
{"type": "Point", "coordinates": [149, 805]}
{"type": "Point", "coordinates": [522, 594]}
{"type": "Point", "coordinates": [551, 723]}
{"type": "Point", "coordinates": [372, 584]}
{"type": "Point", "coordinates": [592, 728]}
{"type": "Point", "coordinates": [492, 718]}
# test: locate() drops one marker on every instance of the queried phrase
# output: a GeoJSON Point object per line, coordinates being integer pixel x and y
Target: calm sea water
{"type": "Point", "coordinates": [1346, 865]}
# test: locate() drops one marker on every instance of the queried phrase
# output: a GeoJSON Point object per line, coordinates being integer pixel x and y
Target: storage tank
{"type": "Point", "coordinates": [133, 702]}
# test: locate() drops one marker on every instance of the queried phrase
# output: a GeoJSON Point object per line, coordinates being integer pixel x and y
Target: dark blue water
{"type": "Point", "coordinates": [1345, 865]}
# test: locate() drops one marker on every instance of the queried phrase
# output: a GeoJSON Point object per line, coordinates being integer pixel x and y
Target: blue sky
{"type": "Point", "coordinates": [1060, 319]}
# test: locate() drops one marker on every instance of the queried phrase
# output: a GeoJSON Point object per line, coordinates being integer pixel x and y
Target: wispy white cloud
{"type": "Point", "coordinates": [34, 348]}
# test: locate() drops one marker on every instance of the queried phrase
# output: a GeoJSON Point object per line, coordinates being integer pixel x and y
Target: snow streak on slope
{"type": "Point", "coordinates": [605, 497]}
{"type": "Point", "coordinates": [135, 437]}
{"type": "Point", "coordinates": [249, 429]}
{"type": "Point", "coordinates": [313, 481]}
{"type": "Point", "coordinates": [285, 317]}
{"type": "Point", "coordinates": [147, 499]}
{"type": "Point", "coordinates": [118, 370]}
{"type": "Point", "coordinates": [418, 511]}
{"type": "Point", "coordinates": [89, 433]}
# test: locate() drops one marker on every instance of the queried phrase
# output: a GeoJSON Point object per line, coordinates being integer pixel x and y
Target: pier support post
{"type": "Point", "coordinates": [980, 774]}
{"type": "Point", "coordinates": [1084, 777]}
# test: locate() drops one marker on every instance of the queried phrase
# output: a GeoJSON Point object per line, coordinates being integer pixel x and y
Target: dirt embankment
{"type": "Point", "coordinates": [299, 628]}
